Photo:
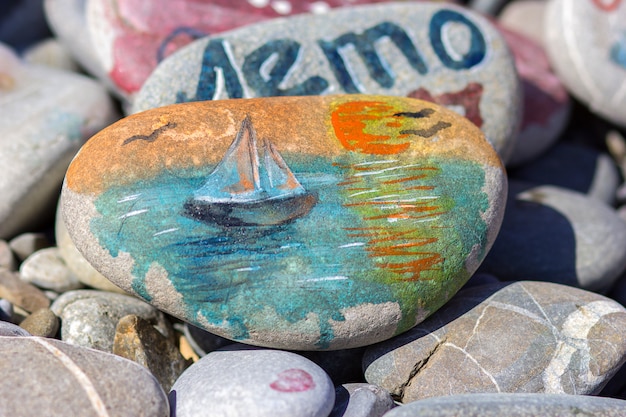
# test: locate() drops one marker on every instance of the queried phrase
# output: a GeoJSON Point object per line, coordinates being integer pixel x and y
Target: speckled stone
{"type": "Point", "coordinates": [267, 382]}
{"type": "Point", "coordinates": [45, 116]}
{"type": "Point", "coordinates": [46, 269]}
{"type": "Point", "coordinates": [21, 293]}
{"type": "Point", "coordinates": [76, 262]}
{"type": "Point", "coordinates": [557, 235]}
{"type": "Point", "coordinates": [575, 167]}
{"type": "Point", "coordinates": [431, 51]}
{"type": "Point", "coordinates": [525, 337]}
{"type": "Point", "coordinates": [361, 400]}
{"type": "Point", "coordinates": [380, 215]}
{"type": "Point", "coordinates": [89, 318]}
{"type": "Point", "coordinates": [512, 405]}
{"type": "Point", "coordinates": [591, 60]}
{"type": "Point", "coordinates": [46, 377]}
{"type": "Point", "coordinates": [42, 323]}
{"type": "Point", "coordinates": [25, 244]}
{"type": "Point", "coordinates": [137, 339]}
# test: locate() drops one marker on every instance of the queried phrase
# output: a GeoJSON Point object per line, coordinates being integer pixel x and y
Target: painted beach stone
{"type": "Point", "coordinates": [133, 36]}
{"type": "Point", "coordinates": [324, 222]}
{"type": "Point", "coordinates": [434, 52]}
{"type": "Point", "coordinates": [590, 60]}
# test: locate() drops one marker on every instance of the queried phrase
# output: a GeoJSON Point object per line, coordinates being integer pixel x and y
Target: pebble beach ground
{"type": "Point", "coordinates": [538, 329]}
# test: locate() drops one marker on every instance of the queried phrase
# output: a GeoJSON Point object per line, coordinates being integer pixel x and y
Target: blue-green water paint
{"type": "Point", "coordinates": [321, 263]}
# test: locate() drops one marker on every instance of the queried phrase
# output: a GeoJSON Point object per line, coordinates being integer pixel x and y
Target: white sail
{"type": "Point", "coordinates": [242, 176]}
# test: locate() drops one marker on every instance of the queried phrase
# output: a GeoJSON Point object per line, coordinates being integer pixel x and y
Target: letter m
{"type": "Point", "coordinates": [364, 44]}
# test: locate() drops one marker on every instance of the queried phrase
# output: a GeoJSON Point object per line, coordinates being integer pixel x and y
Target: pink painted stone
{"type": "Point", "coordinates": [132, 36]}
{"type": "Point", "coordinates": [546, 102]}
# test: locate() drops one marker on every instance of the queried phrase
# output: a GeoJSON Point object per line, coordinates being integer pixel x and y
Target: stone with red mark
{"type": "Point", "coordinates": [546, 102]}
{"type": "Point", "coordinates": [241, 380]}
{"type": "Point", "coordinates": [590, 59]}
{"type": "Point", "coordinates": [293, 380]}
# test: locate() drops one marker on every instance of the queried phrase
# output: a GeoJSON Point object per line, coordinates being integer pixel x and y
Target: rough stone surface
{"type": "Point", "coordinates": [267, 382]}
{"type": "Point", "coordinates": [591, 60]}
{"type": "Point", "coordinates": [575, 167]}
{"type": "Point", "coordinates": [512, 405]}
{"type": "Point", "coordinates": [531, 337]}
{"type": "Point", "coordinates": [137, 339]}
{"type": "Point", "coordinates": [42, 323]}
{"type": "Point", "coordinates": [432, 51]}
{"type": "Point", "coordinates": [46, 269]}
{"type": "Point", "coordinates": [21, 293]}
{"type": "Point", "coordinates": [76, 262]}
{"type": "Point", "coordinates": [361, 400]}
{"type": "Point", "coordinates": [52, 378]}
{"type": "Point", "coordinates": [25, 244]}
{"type": "Point", "coordinates": [89, 318]}
{"type": "Point", "coordinates": [45, 116]}
{"type": "Point", "coordinates": [371, 206]}
{"type": "Point", "coordinates": [557, 235]}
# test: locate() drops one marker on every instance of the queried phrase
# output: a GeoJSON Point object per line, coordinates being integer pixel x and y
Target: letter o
{"type": "Point", "coordinates": [477, 48]}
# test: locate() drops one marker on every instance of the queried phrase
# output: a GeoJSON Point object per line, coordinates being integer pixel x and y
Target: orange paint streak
{"type": "Point", "coordinates": [406, 179]}
{"type": "Point", "coordinates": [349, 121]}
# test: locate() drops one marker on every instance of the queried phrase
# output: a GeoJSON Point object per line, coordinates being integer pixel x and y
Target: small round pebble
{"type": "Point", "coordinates": [42, 323]}
{"type": "Point", "coordinates": [361, 400]}
{"type": "Point", "coordinates": [20, 293]}
{"type": "Point", "coordinates": [46, 269]}
{"type": "Point", "coordinates": [248, 382]}
{"type": "Point", "coordinates": [26, 244]}
{"type": "Point", "coordinates": [7, 259]}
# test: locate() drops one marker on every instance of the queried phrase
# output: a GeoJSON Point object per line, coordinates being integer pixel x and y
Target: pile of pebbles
{"type": "Point", "coordinates": [540, 329]}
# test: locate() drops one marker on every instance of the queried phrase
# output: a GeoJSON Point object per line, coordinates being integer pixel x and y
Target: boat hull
{"type": "Point", "coordinates": [269, 212]}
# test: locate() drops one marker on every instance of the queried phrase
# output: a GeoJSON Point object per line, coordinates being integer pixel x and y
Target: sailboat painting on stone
{"type": "Point", "coordinates": [290, 222]}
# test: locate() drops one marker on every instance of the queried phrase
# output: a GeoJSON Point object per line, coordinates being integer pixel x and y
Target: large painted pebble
{"type": "Point", "coordinates": [586, 43]}
{"type": "Point", "coordinates": [513, 405]}
{"type": "Point", "coordinates": [363, 214]}
{"type": "Point", "coordinates": [248, 382]}
{"type": "Point", "coordinates": [557, 235]}
{"type": "Point", "coordinates": [435, 52]}
{"type": "Point", "coordinates": [89, 318]}
{"type": "Point", "coordinates": [525, 337]}
{"type": "Point", "coordinates": [45, 116]}
{"type": "Point", "coordinates": [46, 377]}
{"type": "Point", "coordinates": [131, 38]}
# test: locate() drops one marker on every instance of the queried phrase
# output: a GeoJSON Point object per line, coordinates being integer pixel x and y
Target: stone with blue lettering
{"type": "Point", "coordinates": [310, 223]}
{"type": "Point", "coordinates": [435, 52]}
{"type": "Point", "coordinates": [586, 43]}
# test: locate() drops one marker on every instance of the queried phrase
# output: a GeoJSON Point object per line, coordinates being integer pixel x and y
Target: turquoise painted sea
{"type": "Point", "coordinates": [382, 230]}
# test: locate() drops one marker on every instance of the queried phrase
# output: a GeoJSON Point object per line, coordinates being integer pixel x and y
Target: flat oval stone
{"type": "Point", "coordinates": [431, 51]}
{"type": "Point", "coordinates": [586, 43]}
{"type": "Point", "coordinates": [52, 378]}
{"type": "Point", "coordinates": [380, 209]}
{"type": "Point", "coordinates": [46, 269]}
{"type": "Point", "coordinates": [45, 116]}
{"type": "Point", "coordinates": [243, 381]}
{"type": "Point", "coordinates": [524, 337]}
{"type": "Point", "coordinates": [517, 405]}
